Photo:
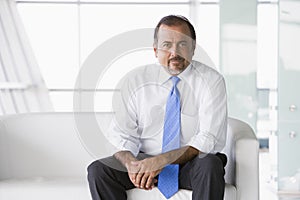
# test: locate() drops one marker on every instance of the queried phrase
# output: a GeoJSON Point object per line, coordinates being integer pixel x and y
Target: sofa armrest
{"type": "Point", "coordinates": [246, 160]}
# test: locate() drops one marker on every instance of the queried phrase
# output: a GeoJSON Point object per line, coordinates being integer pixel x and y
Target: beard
{"type": "Point", "coordinates": [176, 65]}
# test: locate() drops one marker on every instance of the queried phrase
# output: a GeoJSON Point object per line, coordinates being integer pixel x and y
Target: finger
{"type": "Point", "coordinates": [144, 181]}
{"type": "Point", "coordinates": [135, 181]}
{"type": "Point", "coordinates": [154, 180]}
{"type": "Point", "coordinates": [132, 177]}
{"type": "Point", "coordinates": [149, 181]}
{"type": "Point", "coordinates": [138, 179]}
{"type": "Point", "coordinates": [133, 172]}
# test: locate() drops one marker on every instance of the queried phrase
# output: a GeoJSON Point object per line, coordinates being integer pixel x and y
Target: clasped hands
{"type": "Point", "coordinates": [142, 173]}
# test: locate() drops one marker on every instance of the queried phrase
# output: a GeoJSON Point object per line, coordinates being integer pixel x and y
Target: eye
{"type": "Point", "coordinates": [183, 44]}
{"type": "Point", "coordinates": [166, 45]}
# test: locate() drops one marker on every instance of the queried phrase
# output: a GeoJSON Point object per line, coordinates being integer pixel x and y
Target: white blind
{"type": "Point", "coordinates": [22, 88]}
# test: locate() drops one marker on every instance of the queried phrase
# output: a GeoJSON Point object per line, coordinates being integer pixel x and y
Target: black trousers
{"type": "Point", "coordinates": [204, 175]}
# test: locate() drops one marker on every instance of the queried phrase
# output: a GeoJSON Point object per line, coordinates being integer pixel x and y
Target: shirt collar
{"type": "Point", "coordinates": [164, 76]}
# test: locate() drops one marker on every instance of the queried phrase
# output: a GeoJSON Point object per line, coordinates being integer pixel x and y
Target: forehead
{"type": "Point", "coordinates": [176, 32]}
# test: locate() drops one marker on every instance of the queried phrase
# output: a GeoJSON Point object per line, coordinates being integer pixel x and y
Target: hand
{"type": "Point", "coordinates": [126, 157]}
{"type": "Point", "coordinates": [146, 171]}
{"type": "Point", "coordinates": [132, 172]}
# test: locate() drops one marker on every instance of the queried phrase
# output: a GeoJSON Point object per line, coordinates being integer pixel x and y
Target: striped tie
{"type": "Point", "coordinates": [168, 178]}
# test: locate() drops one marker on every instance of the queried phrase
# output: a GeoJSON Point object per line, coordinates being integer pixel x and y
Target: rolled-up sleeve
{"type": "Point", "coordinates": [123, 131]}
{"type": "Point", "coordinates": [122, 141]}
{"type": "Point", "coordinates": [212, 128]}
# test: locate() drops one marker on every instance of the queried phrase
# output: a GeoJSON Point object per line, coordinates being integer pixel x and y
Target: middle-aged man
{"type": "Point", "coordinates": [169, 126]}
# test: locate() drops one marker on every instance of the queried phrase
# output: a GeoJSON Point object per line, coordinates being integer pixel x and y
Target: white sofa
{"type": "Point", "coordinates": [44, 156]}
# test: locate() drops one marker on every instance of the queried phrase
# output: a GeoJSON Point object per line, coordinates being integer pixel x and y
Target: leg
{"type": "Point", "coordinates": [108, 180]}
{"type": "Point", "coordinates": [205, 176]}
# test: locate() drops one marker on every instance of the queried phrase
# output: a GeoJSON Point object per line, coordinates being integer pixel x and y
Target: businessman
{"type": "Point", "coordinates": [170, 124]}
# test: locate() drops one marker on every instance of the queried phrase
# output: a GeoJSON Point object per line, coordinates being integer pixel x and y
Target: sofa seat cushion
{"type": "Point", "coordinates": [230, 193]}
{"type": "Point", "coordinates": [77, 189]}
{"type": "Point", "coordinates": [45, 188]}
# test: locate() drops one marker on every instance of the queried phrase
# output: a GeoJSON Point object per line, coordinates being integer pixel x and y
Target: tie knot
{"type": "Point", "coordinates": [175, 80]}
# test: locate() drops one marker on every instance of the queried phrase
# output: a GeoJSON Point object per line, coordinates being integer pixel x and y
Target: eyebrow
{"type": "Point", "coordinates": [166, 41]}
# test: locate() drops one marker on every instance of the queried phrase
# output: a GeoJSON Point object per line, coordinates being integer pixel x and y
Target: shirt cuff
{"type": "Point", "coordinates": [126, 145]}
{"type": "Point", "coordinates": [204, 142]}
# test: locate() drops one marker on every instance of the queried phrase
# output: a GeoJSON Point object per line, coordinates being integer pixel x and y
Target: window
{"type": "Point", "coordinates": [64, 33]}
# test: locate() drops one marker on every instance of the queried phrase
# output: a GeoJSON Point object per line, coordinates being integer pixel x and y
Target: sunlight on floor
{"type": "Point", "coordinates": [266, 192]}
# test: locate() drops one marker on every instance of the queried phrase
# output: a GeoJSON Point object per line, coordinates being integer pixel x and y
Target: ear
{"type": "Point", "coordinates": [155, 50]}
{"type": "Point", "coordinates": [194, 47]}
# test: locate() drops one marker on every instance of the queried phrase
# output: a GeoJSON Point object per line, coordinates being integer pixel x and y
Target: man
{"type": "Point", "coordinates": [170, 122]}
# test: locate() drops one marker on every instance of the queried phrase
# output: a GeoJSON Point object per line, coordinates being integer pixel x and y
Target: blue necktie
{"type": "Point", "coordinates": [168, 178]}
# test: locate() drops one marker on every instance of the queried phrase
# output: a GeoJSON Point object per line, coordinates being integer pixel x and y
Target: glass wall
{"type": "Point", "coordinates": [289, 97]}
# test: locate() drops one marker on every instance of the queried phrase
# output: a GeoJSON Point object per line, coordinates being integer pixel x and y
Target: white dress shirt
{"type": "Point", "coordinates": [140, 109]}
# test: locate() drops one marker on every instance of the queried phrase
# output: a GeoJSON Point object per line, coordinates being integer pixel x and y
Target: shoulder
{"type": "Point", "coordinates": [209, 77]}
{"type": "Point", "coordinates": [203, 71]}
{"type": "Point", "coordinates": [139, 76]}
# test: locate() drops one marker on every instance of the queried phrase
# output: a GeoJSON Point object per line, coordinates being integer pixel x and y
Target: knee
{"type": "Point", "coordinates": [95, 169]}
{"type": "Point", "coordinates": [209, 164]}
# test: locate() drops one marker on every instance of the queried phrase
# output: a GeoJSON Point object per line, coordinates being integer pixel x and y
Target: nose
{"type": "Point", "coordinates": [174, 51]}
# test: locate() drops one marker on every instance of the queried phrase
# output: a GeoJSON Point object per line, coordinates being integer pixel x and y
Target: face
{"type": "Point", "coordinates": [175, 48]}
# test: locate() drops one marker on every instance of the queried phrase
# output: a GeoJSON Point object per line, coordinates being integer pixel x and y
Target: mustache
{"type": "Point", "coordinates": [177, 58]}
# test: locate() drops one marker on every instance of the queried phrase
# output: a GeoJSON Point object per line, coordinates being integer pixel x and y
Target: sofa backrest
{"type": "Point", "coordinates": [46, 144]}
{"type": "Point", "coordinates": [63, 144]}
{"type": "Point", "coordinates": [236, 131]}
